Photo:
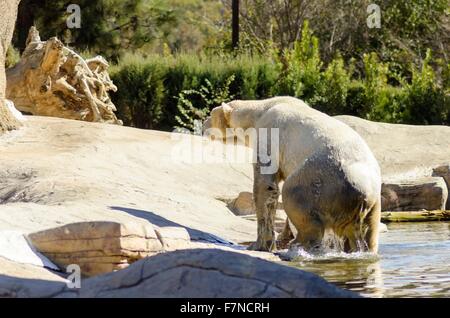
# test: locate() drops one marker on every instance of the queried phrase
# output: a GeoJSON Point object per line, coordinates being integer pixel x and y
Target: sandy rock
{"type": "Point", "coordinates": [97, 247]}
{"type": "Point", "coordinates": [57, 171]}
{"type": "Point", "coordinates": [173, 238]}
{"type": "Point", "coordinates": [444, 172]}
{"type": "Point", "coordinates": [428, 193]}
{"type": "Point", "coordinates": [18, 280]}
{"type": "Point", "coordinates": [404, 151]}
{"type": "Point", "coordinates": [243, 204]}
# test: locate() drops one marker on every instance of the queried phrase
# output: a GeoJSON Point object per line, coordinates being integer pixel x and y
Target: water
{"type": "Point", "coordinates": [413, 261]}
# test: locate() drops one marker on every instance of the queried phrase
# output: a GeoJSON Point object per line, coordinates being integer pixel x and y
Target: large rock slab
{"type": "Point", "coordinates": [203, 273]}
{"type": "Point", "coordinates": [57, 171]}
{"type": "Point", "coordinates": [404, 151]}
{"type": "Point", "coordinates": [413, 195]}
{"type": "Point", "coordinates": [209, 273]}
{"type": "Point", "coordinates": [19, 280]}
{"type": "Point", "coordinates": [97, 247]}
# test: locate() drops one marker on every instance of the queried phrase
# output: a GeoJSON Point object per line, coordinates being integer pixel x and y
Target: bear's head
{"type": "Point", "coordinates": [218, 121]}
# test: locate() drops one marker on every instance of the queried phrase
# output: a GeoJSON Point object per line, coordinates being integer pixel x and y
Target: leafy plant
{"type": "Point", "coordinates": [206, 97]}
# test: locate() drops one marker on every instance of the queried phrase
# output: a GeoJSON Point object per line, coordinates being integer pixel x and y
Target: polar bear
{"type": "Point", "coordinates": [331, 178]}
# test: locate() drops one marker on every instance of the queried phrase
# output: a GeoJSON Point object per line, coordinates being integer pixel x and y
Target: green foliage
{"type": "Point", "coordinates": [332, 97]}
{"type": "Point", "coordinates": [207, 97]}
{"type": "Point", "coordinates": [141, 95]}
{"type": "Point", "coordinates": [169, 91]}
{"type": "Point", "coordinates": [424, 101]}
{"type": "Point", "coordinates": [12, 56]}
{"type": "Point", "coordinates": [302, 67]}
{"type": "Point", "coordinates": [187, 84]}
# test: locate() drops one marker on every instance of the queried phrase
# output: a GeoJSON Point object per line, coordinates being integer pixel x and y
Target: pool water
{"type": "Point", "coordinates": [413, 261]}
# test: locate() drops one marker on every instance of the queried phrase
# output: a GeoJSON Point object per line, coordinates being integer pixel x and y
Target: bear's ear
{"type": "Point", "coordinates": [227, 109]}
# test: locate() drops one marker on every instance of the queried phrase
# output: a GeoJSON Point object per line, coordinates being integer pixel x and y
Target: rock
{"type": "Point", "coordinates": [56, 171]}
{"type": "Point", "coordinates": [14, 246]}
{"type": "Point", "coordinates": [173, 238]}
{"type": "Point", "coordinates": [444, 172]}
{"type": "Point", "coordinates": [404, 152]}
{"type": "Point", "coordinates": [52, 80]}
{"type": "Point", "coordinates": [382, 228]}
{"type": "Point", "coordinates": [208, 273]}
{"type": "Point", "coordinates": [205, 273]}
{"type": "Point", "coordinates": [243, 204]}
{"type": "Point", "coordinates": [17, 115]}
{"type": "Point", "coordinates": [428, 193]}
{"type": "Point", "coordinates": [97, 247]}
{"type": "Point", "coordinates": [19, 280]}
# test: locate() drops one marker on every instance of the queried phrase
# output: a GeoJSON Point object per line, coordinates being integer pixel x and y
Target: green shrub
{"type": "Point", "coordinates": [253, 78]}
{"type": "Point", "coordinates": [424, 100]}
{"type": "Point", "coordinates": [168, 91]}
{"type": "Point", "coordinates": [12, 56]}
{"type": "Point", "coordinates": [300, 68]}
{"type": "Point", "coordinates": [208, 97]}
{"type": "Point", "coordinates": [331, 96]}
{"type": "Point", "coordinates": [141, 94]}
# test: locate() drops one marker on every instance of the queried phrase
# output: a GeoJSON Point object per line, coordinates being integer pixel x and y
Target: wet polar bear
{"type": "Point", "coordinates": [331, 178]}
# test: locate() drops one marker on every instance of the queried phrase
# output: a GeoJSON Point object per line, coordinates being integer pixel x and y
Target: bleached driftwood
{"type": "Point", "coordinates": [53, 80]}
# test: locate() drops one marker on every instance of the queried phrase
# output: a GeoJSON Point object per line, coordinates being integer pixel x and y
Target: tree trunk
{"type": "Point", "coordinates": [8, 9]}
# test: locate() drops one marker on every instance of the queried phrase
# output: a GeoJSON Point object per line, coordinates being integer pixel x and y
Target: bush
{"type": "Point", "coordinates": [424, 101]}
{"type": "Point", "coordinates": [166, 91]}
{"type": "Point", "coordinates": [155, 83]}
{"type": "Point", "coordinates": [208, 97]}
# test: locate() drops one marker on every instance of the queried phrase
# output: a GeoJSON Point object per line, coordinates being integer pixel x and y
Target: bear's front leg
{"type": "Point", "coordinates": [265, 194]}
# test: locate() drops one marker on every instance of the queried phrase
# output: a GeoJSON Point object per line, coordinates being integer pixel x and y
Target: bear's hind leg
{"type": "Point", "coordinates": [371, 223]}
{"type": "Point", "coordinates": [303, 215]}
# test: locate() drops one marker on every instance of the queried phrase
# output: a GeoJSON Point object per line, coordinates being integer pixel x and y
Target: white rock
{"type": "Point", "coordinates": [15, 247]}
{"type": "Point", "coordinates": [17, 114]}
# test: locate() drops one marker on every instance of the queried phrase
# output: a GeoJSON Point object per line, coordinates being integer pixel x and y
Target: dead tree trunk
{"type": "Point", "coordinates": [8, 11]}
{"type": "Point", "coordinates": [52, 80]}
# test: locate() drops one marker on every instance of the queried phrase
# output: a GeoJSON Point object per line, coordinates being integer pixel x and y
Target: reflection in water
{"type": "Point", "coordinates": [413, 261]}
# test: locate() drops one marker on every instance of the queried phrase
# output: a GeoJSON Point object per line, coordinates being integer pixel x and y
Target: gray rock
{"type": "Point", "coordinates": [209, 273]}
{"type": "Point", "coordinates": [187, 273]}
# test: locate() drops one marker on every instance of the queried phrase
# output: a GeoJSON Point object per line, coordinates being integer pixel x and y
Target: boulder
{"type": "Point", "coordinates": [19, 280]}
{"type": "Point", "coordinates": [404, 152]}
{"type": "Point", "coordinates": [99, 246]}
{"type": "Point", "coordinates": [243, 204]}
{"type": "Point", "coordinates": [444, 172]}
{"type": "Point", "coordinates": [209, 273]}
{"type": "Point", "coordinates": [197, 273]}
{"type": "Point", "coordinates": [427, 193]}
{"type": "Point", "coordinates": [173, 237]}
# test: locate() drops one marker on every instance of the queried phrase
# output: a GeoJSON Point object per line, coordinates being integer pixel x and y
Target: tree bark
{"type": "Point", "coordinates": [8, 9]}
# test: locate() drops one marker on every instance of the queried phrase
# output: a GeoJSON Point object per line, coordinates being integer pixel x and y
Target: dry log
{"type": "Point", "coordinates": [415, 216]}
{"type": "Point", "coordinates": [53, 80]}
